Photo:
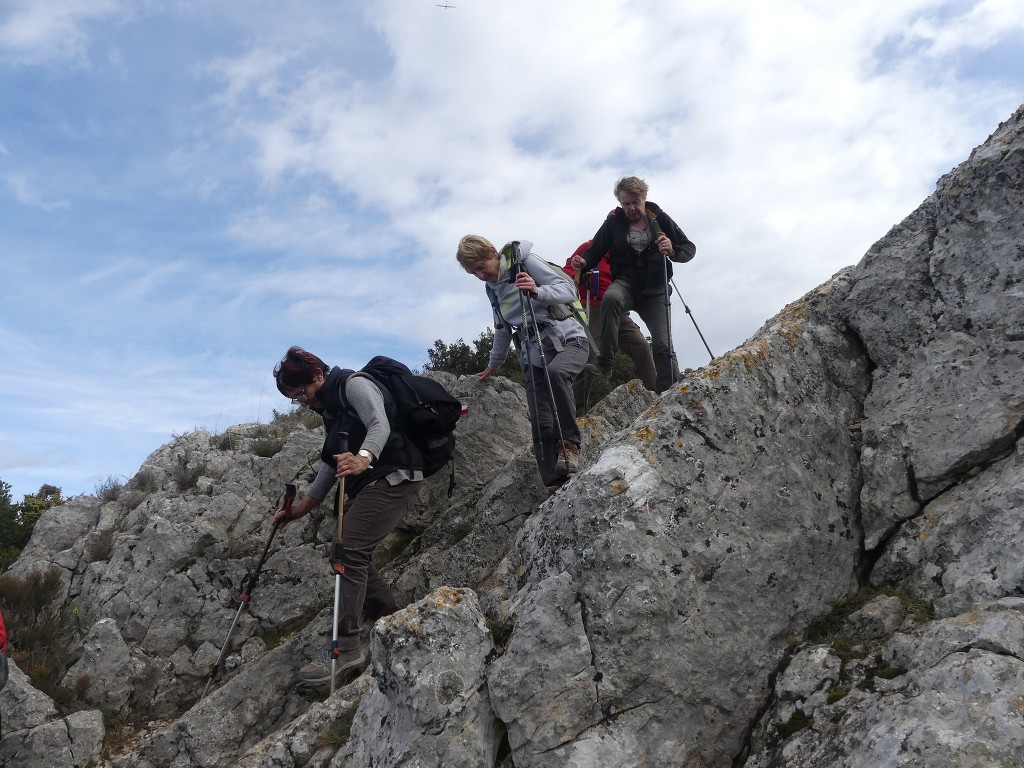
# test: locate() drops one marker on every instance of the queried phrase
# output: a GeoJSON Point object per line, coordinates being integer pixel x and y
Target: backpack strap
{"type": "Point", "coordinates": [391, 412]}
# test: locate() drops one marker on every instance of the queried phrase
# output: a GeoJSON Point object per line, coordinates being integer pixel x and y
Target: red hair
{"type": "Point", "coordinates": [298, 369]}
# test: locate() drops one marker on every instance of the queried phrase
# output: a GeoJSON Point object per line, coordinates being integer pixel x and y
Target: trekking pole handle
{"type": "Point", "coordinates": [289, 497]}
{"type": "Point", "coordinates": [249, 584]}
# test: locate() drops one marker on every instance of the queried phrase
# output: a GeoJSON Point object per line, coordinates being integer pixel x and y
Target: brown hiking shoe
{"type": "Point", "coordinates": [568, 459]}
{"type": "Point", "coordinates": [317, 674]}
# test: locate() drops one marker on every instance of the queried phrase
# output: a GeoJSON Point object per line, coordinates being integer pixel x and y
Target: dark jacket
{"type": "Point", "coordinates": [645, 270]}
{"type": "Point", "coordinates": [340, 420]}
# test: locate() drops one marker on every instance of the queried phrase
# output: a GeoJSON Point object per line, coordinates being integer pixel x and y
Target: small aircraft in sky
{"type": "Point", "coordinates": [446, 6]}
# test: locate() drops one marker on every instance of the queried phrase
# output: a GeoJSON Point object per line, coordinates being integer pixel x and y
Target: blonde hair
{"type": "Point", "coordinates": [472, 250]}
{"type": "Point", "coordinates": [631, 185]}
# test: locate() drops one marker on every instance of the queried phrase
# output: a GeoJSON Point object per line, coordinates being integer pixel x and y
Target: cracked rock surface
{"type": "Point", "coordinates": [805, 554]}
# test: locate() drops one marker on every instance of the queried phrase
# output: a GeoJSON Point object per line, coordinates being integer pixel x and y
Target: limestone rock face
{"type": "Point", "coordinates": [805, 554]}
{"type": "Point", "coordinates": [698, 543]}
{"type": "Point", "coordinates": [939, 306]}
{"type": "Point", "coordinates": [35, 735]}
{"type": "Point", "coordinates": [431, 705]}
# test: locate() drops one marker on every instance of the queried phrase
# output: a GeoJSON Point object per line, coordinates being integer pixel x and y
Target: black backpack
{"type": "Point", "coordinates": [426, 412]}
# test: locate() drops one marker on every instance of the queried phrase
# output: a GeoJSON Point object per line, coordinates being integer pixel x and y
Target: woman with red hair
{"type": "Point", "coordinates": [382, 484]}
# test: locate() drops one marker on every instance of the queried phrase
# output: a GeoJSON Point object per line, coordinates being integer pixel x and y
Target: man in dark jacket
{"type": "Point", "coordinates": [643, 241]}
{"type": "Point", "coordinates": [592, 287]}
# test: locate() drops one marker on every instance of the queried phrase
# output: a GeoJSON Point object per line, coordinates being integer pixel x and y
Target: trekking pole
{"type": "Point", "coordinates": [673, 363]}
{"type": "Point", "coordinates": [527, 302]}
{"type": "Point", "coordinates": [336, 565]}
{"type": "Point", "coordinates": [515, 269]}
{"type": "Point", "coordinates": [248, 585]}
{"type": "Point", "coordinates": [592, 290]}
{"type": "Point", "coordinates": [692, 319]}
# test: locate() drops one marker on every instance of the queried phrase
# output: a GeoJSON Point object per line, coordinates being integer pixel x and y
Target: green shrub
{"type": "Point", "coordinates": [267, 446]}
{"type": "Point", "coordinates": [40, 630]}
{"type": "Point", "coordinates": [185, 473]}
{"type": "Point", "coordinates": [7, 557]}
{"type": "Point", "coordinates": [284, 423]}
{"type": "Point", "coordinates": [99, 545]}
{"type": "Point", "coordinates": [144, 481]}
{"type": "Point", "coordinates": [110, 489]}
{"type": "Point", "coordinates": [462, 530]}
{"type": "Point", "coordinates": [501, 630]}
{"type": "Point", "coordinates": [796, 723]}
{"type": "Point", "coordinates": [836, 694]}
{"type": "Point", "coordinates": [337, 735]}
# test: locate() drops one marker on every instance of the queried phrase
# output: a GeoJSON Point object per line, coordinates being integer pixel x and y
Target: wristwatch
{"type": "Point", "coordinates": [366, 455]}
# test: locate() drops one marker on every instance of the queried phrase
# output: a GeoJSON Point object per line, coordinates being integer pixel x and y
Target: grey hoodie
{"type": "Point", "coordinates": [553, 287]}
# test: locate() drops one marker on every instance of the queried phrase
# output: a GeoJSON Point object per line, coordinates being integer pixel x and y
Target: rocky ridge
{"type": "Point", "coordinates": [805, 554]}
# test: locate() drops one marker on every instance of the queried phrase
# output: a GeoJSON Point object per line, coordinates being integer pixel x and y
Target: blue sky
{"type": "Point", "coordinates": [188, 188]}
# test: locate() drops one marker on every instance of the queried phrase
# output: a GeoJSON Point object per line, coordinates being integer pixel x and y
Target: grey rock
{"type": "Point", "coordinates": [878, 618]}
{"type": "Point", "coordinates": [431, 706]}
{"type": "Point", "coordinates": [107, 666]}
{"type": "Point", "coordinates": [460, 547]}
{"type": "Point", "coordinates": [806, 681]}
{"type": "Point", "coordinates": [545, 682]}
{"type": "Point", "coordinates": [54, 535]}
{"type": "Point", "coordinates": [937, 305]}
{"type": "Point", "coordinates": [307, 740]}
{"type": "Point", "coordinates": [701, 539]}
{"type": "Point", "coordinates": [23, 707]}
{"type": "Point", "coordinates": [950, 696]}
{"type": "Point", "coordinates": [967, 546]}
{"type": "Point", "coordinates": [35, 736]}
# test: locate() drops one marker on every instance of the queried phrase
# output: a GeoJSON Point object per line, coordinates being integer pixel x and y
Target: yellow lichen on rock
{"type": "Point", "coordinates": [644, 433]}
{"type": "Point", "coordinates": [447, 597]}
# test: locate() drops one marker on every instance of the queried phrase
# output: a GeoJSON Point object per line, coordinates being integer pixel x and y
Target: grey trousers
{"type": "Point", "coordinates": [563, 368]}
{"type": "Point", "coordinates": [368, 518]}
{"type": "Point", "coordinates": [631, 341]}
{"type": "Point", "coordinates": [621, 297]}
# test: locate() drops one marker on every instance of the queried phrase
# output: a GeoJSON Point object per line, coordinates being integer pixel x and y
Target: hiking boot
{"type": "Point", "coordinates": [317, 674]}
{"type": "Point", "coordinates": [597, 368]}
{"type": "Point", "coordinates": [556, 483]}
{"type": "Point", "coordinates": [568, 459]}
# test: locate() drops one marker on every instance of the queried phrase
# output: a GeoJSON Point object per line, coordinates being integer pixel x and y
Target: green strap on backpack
{"type": "Point", "coordinates": [562, 311]}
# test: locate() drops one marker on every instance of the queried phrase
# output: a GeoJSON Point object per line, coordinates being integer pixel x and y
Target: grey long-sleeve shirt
{"type": "Point", "coordinates": [367, 401]}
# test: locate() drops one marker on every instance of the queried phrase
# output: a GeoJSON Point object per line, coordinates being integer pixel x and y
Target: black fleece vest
{"type": "Point", "coordinates": [341, 420]}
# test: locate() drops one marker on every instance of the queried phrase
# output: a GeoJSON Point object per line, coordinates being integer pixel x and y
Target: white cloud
{"type": "Point", "coordinates": [518, 120]}
{"type": "Point", "coordinates": [984, 24]}
{"type": "Point", "coordinates": [326, 164]}
{"type": "Point", "coordinates": [25, 194]}
{"type": "Point", "coordinates": [52, 32]}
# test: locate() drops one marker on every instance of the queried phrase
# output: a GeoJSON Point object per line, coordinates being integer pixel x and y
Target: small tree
{"type": "Point", "coordinates": [10, 527]}
{"type": "Point", "coordinates": [18, 520]}
{"type": "Point", "coordinates": [463, 360]}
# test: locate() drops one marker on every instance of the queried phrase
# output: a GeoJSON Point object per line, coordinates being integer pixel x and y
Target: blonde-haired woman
{"type": "Point", "coordinates": [527, 296]}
